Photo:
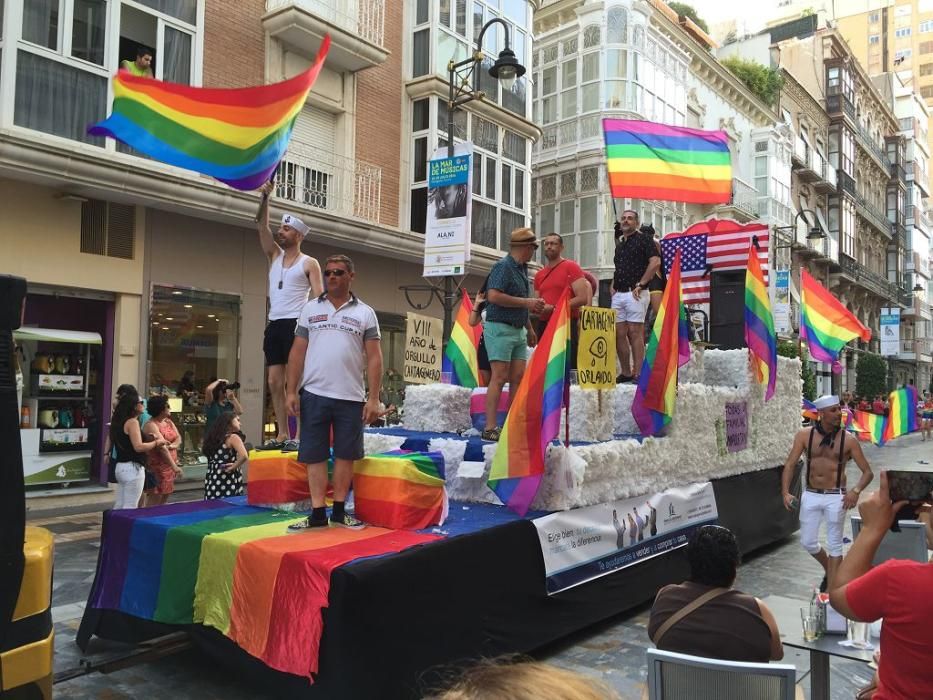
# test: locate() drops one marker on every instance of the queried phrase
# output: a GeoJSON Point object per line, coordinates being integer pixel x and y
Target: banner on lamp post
{"type": "Point", "coordinates": [782, 325]}
{"type": "Point", "coordinates": [447, 229]}
{"type": "Point", "coordinates": [890, 331]}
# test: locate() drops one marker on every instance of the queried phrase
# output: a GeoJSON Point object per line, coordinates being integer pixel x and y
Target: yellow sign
{"type": "Point", "coordinates": [596, 352]}
{"type": "Point", "coordinates": [423, 349]}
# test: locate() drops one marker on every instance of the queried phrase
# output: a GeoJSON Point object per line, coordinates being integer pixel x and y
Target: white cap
{"type": "Point", "coordinates": [827, 401]}
{"type": "Point", "coordinates": [296, 223]}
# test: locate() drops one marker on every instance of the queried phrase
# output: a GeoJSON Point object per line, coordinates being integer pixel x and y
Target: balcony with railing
{"type": "Point", "coordinates": [918, 308]}
{"type": "Point", "coordinates": [838, 105]}
{"type": "Point", "coordinates": [356, 28]}
{"type": "Point", "coordinates": [570, 136]}
{"type": "Point", "coordinates": [867, 279]}
{"type": "Point", "coordinates": [874, 215]}
{"type": "Point", "coordinates": [869, 144]}
{"type": "Point", "coordinates": [744, 206]}
{"type": "Point", "coordinates": [342, 186]}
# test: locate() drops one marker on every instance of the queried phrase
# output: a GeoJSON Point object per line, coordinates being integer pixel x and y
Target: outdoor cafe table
{"type": "Point", "coordinates": [787, 613]}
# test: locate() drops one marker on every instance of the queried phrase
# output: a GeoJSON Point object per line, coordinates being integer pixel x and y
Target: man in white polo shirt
{"type": "Point", "coordinates": [292, 274]}
{"type": "Point", "coordinates": [336, 338]}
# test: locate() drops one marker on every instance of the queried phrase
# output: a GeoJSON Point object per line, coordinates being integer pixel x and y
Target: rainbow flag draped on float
{"type": "Point", "coordinates": [902, 413]}
{"type": "Point", "coordinates": [759, 325]}
{"type": "Point", "coordinates": [534, 418]}
{"type": "Point", "coordinates": [825, 324]}
{"type": "Point", "coordinates": [678, 164]}
{"type": "Point", "coordinates": [460, 355]}
{"type": "Point", "coordinates": [868, 427]}
{"type": "Point", "coordinates": [237, 136]}
{"type": "Point", "coordinates": [668, 350]}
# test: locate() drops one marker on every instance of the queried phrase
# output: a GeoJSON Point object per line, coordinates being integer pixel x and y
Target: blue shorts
{"type": "Point", "coordinates": [320, 414]}
{"type": "Point", "coordinates": [504, 342]}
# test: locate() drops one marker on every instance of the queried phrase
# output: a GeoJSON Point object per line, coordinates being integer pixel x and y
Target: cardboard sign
{"type": "Point", "coordinates": [736, 426]}
{"type": "Point", "coordinates": [423, 349]}
{"type": "Point", "coordinates": [596, 353]}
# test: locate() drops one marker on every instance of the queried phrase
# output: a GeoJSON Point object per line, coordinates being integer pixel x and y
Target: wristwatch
{"type": "Point", "coordinates": [857, 491]}
{"type": "Point", "coordinates": [639, 285]}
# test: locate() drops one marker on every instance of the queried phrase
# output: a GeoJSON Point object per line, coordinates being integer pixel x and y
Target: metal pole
{"type": "Point", "coordinates": [448, 301]}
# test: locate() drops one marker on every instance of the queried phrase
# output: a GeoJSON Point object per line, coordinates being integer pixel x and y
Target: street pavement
{"type": "Point", "coordinates": [613, 650]}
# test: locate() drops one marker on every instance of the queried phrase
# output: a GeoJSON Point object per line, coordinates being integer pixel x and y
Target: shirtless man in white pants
{"type": "Point", "coordinates": [828, 449]}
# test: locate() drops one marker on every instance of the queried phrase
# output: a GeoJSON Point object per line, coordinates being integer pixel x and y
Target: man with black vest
{"type": "Point", "coordinates": [827, 452]}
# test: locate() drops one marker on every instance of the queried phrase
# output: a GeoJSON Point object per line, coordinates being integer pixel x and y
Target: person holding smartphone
{"type": "Point", "coordinates": [825, 495]}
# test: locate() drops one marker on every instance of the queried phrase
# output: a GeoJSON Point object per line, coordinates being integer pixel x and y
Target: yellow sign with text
{"type": "Point", "coordinates": [596, 351]}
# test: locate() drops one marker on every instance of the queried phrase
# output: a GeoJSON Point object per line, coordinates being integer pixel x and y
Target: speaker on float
{"type": "Point", "coordinates": [727, 309]}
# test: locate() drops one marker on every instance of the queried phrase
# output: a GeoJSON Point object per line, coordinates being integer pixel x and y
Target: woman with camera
{"type": "Point", "coordinates": [219, 399]}
{"type": "Point", "coordinates": [131, 452]}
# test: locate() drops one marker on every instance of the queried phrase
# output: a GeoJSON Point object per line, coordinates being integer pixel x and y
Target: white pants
{"type": "Point", "coordinates": [130, 480]}
{"type": "Point", "coordinates": [813, 507]}
{"type": "Point", "coordinates": [629, 309]}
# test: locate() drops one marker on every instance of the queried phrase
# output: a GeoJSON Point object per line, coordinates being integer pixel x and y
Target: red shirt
{"type": "Point", "coordinates": [877, 407]}
{"type": "Point", "coordinates": [899, 591]}
{"type": "Point", "coordinates": [550, 282]}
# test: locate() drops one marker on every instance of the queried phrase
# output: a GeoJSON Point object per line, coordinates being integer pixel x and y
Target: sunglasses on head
{"type": "Point", "coordinates": [334, 273]}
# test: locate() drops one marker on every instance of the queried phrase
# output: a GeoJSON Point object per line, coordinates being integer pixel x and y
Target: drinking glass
{"type": "Point", "coordinates": [811, 625]}
{"type": "Point", "coordinates": [446, 377]}
{"type": "Point", "coordinates": [857, 634]}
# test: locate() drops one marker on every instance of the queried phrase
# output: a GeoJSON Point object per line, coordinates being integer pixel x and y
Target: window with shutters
{"type": "Point", "coordinates": [926, 47]}
{"type": "Point", "coordinates": [308, 172]}
{"type": "Point", "coordinates": [926, 69]}
{"type": "Point", "coordinates": [108, 229]}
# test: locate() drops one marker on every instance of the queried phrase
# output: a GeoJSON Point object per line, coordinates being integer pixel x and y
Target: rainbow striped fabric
{"type": "Point", "coordinates": [759, 324]}
{"type": "Point", "coordinates": [868, 427]}
{"type": "Point", "coordinates": [534, 418]}
{"type": "Point", "coordinates": [400, 490]}
{"type": "Point", "coordinates": [668, 350]}
{"type": "Point", "coordinates": [808, 410]}
{"type": "Point", "coordinates": [655, 161]}
{"type": "Point", "coordinates": [237, 136]}
{"type": "Point", "coordinates": [825, 324]}
{"type": "Point", "coordinates": [460, 358]}
{"type": "Point", "coordinates": [276, 477]}
{"type": "Point", "coordinates": [234, 568]}
{"type": "Point", "coordinates": [902, 413]}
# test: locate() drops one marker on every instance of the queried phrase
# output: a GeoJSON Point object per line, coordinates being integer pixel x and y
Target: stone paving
{"type": "Point", "coordinates": [613, 650]}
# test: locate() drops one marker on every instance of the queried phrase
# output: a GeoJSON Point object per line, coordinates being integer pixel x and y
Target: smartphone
{"type": "Point", "coordinates": [910, 486]}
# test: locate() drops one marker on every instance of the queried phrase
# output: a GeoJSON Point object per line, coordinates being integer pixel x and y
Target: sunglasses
{"type": "Point", "coordinates": [334, 273]}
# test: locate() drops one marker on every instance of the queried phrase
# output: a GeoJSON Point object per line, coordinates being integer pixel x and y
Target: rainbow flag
{"type": "Point", "coordinates": [460, 358]}
{"type": "Point", "coordinates": [825, 324]}
{"type": "Point", "coordinates": [902, 413]}
{"type": "Point", "coordinates": [668, 350]}
{"type": "Point", "coordinates": [400, 490]}
{"type": "Point", "coordinates": [234, 568]}
{"type": "Point", "coordinates": [655, 161]}
{"type": "Point", "coordinates": [534, 418]}
{"type": "Point", "coordinates": [237, 136]}
{"type": "Point", "coordinates": [868, 427]}
{"type": "Point", "coordinates": [759, 324]}
{"type": "Point", "coordinates": [807, 411]}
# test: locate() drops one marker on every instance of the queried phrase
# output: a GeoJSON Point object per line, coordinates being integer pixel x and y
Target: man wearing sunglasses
{"type": "Point", "coordinates": [336, 339]}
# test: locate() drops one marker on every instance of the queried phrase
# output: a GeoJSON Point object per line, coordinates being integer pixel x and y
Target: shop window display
{"type": "Point", "coordinates": [193, 340]}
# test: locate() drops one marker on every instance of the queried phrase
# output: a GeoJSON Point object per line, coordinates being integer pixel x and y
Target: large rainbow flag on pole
{"type": "Point", "coordinates": [534, 418]}
{"type": "Point", "coordinates": [902, 413]}
{"type": "Point", "coordinates": [668, 350]}
{"type": "Point", "coordinates": [759, 324]}
{"type": "Point", "coordinates": [868, 427]}
{"type": "Point", "coordinates": [460, 355]}
{"type": "Point", "coordinates": [237, 136]}
{"type": "Point", "coordinates": [655, 161]}
{"type": "Point", "coordinates": [825, 324]}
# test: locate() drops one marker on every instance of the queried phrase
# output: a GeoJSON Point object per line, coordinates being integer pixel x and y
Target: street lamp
{"type": "Point", "coordinates": [815, 233]}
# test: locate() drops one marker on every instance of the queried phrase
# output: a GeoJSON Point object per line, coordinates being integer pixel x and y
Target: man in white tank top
{"type": "Point", "coordinates": [291, 275]}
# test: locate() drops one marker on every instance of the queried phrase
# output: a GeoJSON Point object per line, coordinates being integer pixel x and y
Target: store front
{"type": "Point", "coordinates": [193, 340]}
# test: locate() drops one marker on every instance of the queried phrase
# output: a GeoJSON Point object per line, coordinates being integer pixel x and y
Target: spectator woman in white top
{"type": "Point", "coordinates": [127, 440]}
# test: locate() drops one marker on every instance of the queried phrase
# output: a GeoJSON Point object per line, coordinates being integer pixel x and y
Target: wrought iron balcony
{"type": "Point", "coordinates": [839, 105]}
{"type": "Point", "coordinates": [867, 279]}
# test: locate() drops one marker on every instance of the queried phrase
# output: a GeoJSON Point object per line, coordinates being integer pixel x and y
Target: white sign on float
{"type": "Point", "coordinates": [890, 326]}
{"type": "Point", "coordinates": [447, 231]}
{"type": "Point", "coordinates": [585, 543]}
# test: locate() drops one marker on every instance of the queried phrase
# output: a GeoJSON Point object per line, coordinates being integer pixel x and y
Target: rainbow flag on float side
{"type": "Point", "coordinates": [655, 161]}
{"type": "Point", "coordinates": [759, 324]}
{"type": "Point", "coordinates": [668, 350]}
{"type": "Point", "coordinates": [237, 136]}
{"type": "Point", "coordinates": [534, 418]}
{"type": "Point", "coordinates": [868, 427]}
{"type": "Point", "coordinates": [460, 355]}
{"type": "Point", "coordinates": [902, 413]}
{"type": "Point", "coordinates": [825, 324]}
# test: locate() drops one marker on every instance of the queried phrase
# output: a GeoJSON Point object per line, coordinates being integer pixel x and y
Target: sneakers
{"type": "Point", "coordinates": [290, 446]}
{"type": "Point", "coordinates": [492, 434]}
{"type": "Point", "coordinates": [349, 522]}
{"type": "Point", "coordinates": [306, 524]}
{"type": "Point", "coordinates": [623, 379]}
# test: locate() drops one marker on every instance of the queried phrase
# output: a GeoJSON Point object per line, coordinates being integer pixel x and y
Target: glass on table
{"type": "Point", "coordinates": [858, 634]}
{"type": "Point", "coordinates": [810, 619]}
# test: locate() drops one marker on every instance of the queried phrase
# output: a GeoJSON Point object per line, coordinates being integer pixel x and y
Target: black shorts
{"type": "Point", "coordinates": [320, 415]}
{"type": "Point", "coordinates": [277, 340]}
{"type": "Point", "coordinates": [656, 284]}
{"type": "Point", "coordinates": [482, 357]}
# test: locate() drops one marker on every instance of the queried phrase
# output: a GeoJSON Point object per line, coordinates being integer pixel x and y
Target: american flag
{"type": "Point", "coordinates": [714, 244]}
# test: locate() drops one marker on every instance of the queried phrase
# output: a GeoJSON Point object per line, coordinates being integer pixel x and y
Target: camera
{"type": "Point", "coordinates": [233, 387]}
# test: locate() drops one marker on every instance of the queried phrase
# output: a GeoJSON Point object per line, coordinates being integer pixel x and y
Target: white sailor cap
{"type": "Point", "coordinates": [296, 223]}
{"type": "Point", "coordinates": [827, 401]}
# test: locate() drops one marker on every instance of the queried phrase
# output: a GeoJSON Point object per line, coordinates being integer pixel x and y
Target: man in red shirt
{"type": "Point", "coordinates": [877, 406]}
{"type": "Point", "coordinates": [896, 590]}
{"type": "Point", "coordinates": [551, 281]}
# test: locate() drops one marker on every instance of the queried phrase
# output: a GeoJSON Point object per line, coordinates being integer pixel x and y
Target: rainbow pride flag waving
{"type": "Point", "coordinates": [237, 136]}
{"type": "Point", "coordinates": [668, 350]}
{"type": "Point", "coordinates": [902, 413]}
{"type": "Point", "coordinates": [460, 355]}
{"type": "Point", "coordinates": [534, 418]}
{"type": "Point", "coordinates": [759, 324]}
{"type": "Point", "coordinates": [868, 427]}
{"type": "Point", "coordinates": [825, 324]}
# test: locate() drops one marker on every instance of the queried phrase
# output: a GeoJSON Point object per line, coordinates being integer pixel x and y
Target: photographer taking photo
{"type": "Point", "coordinates": [219, 397]}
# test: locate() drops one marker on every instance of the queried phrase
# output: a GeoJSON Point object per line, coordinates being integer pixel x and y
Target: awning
{"type": "Point", "coordinates": [56, 335]}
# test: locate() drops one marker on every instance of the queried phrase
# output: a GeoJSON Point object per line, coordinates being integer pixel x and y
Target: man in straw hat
{"type": "Point", "coordinates": [508, 331]}
{"type": "Point", "coordinates": [824, 494]}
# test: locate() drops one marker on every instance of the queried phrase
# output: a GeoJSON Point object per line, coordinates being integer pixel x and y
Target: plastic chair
{"type": "Point", "coordinates": [910, 543]}
{"type": "Point", "coordinates": [673, 676]}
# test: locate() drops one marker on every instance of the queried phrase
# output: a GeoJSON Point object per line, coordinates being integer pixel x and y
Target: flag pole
{"type": "Point", "coordinates": [264, 202]}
